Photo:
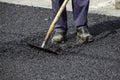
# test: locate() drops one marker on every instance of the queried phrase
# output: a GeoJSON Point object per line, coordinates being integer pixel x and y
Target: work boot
{"type": "Point", "coordinates": [83, 35]}
{"type": "Point", "coordinates": [58, 37]}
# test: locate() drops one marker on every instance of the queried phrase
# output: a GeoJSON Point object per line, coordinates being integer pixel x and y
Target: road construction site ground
{"type": "Point", "coordinates": [98, 60]}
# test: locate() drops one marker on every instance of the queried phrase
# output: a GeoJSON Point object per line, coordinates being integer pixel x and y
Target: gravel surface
{"type": "Point", "coordinates": [99, 60]}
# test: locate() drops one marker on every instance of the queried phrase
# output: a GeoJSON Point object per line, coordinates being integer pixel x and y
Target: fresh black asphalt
{"type": "Point", "coordinates": [98, 60]}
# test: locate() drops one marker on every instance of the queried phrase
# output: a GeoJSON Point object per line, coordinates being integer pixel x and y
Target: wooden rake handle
{"type": "Point", "coordinates": [52, 26]}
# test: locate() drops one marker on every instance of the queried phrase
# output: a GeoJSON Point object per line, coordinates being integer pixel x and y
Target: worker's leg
{"type": "Point", "coordinates": [62, 23]}
{"type": "Point", "coordinates": [61, 26]}
{"type": "Point", "coordinates": [80, 12]}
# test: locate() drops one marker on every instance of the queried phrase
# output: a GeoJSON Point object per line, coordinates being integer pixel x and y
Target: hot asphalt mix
{"type": "Point", "coordinates": [98, 60]}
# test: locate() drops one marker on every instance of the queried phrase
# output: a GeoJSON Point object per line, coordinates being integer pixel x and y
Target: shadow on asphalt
{"type": "Point", "coordinates": [110, 26]}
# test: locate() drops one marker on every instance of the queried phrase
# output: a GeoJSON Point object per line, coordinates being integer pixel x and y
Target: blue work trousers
{"type": "Point", "coordinates": [80, 11]}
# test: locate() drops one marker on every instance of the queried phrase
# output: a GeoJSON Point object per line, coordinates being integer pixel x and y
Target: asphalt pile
{"type": "Point", "coordinates": [98, 60]}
